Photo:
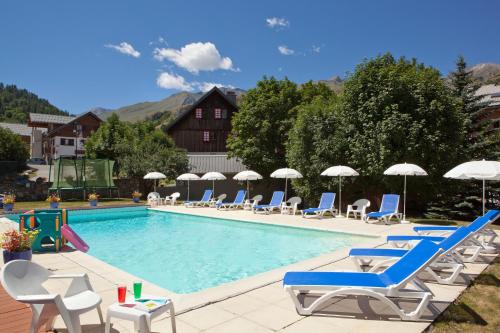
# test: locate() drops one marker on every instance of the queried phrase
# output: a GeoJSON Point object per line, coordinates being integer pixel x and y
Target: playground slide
{"type": "Point", "coordinates": [73, 238]}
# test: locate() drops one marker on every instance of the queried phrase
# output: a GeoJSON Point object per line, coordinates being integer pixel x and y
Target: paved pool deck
{"type": "Point", "coordinates": [258, 303]}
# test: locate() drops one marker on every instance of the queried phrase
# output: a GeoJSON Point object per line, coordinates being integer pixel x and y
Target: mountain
{"type": "Point", "coordinates": [161, 110]}
{"type": "Point", "coordinates": [486, 73]}
{"type": "Point", "coordinates": [16, 104]}
{"type": "Point", "coordinates": [335, 83]}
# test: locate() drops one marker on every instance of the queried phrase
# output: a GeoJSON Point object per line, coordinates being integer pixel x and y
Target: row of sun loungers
{"type": "Point", "coordinates": [394, 273]}
{"type": "Point", "coordinates": [388, 208]}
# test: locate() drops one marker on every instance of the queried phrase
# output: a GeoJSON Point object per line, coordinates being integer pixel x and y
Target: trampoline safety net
{"type": "Point", "coordinates": [82, 174]}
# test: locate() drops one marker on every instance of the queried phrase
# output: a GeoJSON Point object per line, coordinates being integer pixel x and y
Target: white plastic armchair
{"type": "Point", "coordinates": [218, 200]}
{"type": "Point", "coordinates": [358, 207]}
{"type": "Point", "coordinates": [171, 199]}
{"type": "Point", "coordinates": [154, 199]}
{"type": "Point", "coordinates": [23, 280]}
{"type": "Point", "coordinates": [291, 206]}
{"type": "Point", "coordinates": [249, 204]}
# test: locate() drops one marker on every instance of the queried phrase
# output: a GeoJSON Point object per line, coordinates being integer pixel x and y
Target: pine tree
{"type": "Point", "coordinates": [464, 201]}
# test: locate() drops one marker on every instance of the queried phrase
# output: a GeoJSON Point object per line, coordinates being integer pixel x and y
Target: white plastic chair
{"type": "Point", "coordinates": [23, 280]}
{"type": "Point", "coordinates": [291, 206]}
{"type": "Point", "coordinates": [171, 198]}
{"type": "Point", "coordinates": [154, 199]}
{"type": "Point", "coordinates": [360, 209]}
{"type": "Point", "coordinates": [248, 205]}
{"type": "Point", "coordinates": [218, 201]}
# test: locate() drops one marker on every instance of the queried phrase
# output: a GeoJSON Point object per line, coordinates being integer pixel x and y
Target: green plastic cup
{"type": "Point", "coordinates": [137, 289]}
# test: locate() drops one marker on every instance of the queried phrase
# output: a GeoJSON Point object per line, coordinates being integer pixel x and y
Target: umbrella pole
{"type": "Point", "coordinates": [340, 196]}
{"type": "Point", "coordinates": [248, 190]}
{"type": "Point", "coordinates": [188, 191]}
{"type": "Point", "coordinates": [404, 201]}
{"type": "Point", "coordinates": [286, 187]}
{"type": "Point", "coordinates": [213, 188]}
{"type": "Point", "coordinates": [484, 197]}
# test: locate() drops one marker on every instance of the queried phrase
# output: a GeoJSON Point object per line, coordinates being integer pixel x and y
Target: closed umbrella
{"type": "Point", "coordinates": [481, 170]}
{"type": "Point", "coordinates": [340, 171]}
{"type": "Point", "coordinates": [155, 176]}
{"type": "Point", "coordinates": [405, 169]}
{"type": "Point", "coordinates": [213, 176]}
{"type": "Point", "coordinates": [286, 173]}
{"type": "Point", "coordinates": [247, 176]}
{"type": "Point", "coordinates": [187, 177]}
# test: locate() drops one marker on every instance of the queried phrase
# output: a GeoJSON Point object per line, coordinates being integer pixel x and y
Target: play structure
{"type": "Point", "coordinates": [53, 230]}
{"type": "Point", "coordinates": [83, 175]}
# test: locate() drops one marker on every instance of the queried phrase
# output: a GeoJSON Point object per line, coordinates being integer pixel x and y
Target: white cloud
{"type": "Point", "coordinates": [177, 82]}
{"type": "Point", "coordinates": [173, 81]}
{"type": "Point", "coordinates": [206, 86]}
{"type": "Point", "coordinates": [316, 49]}
{"type": "Point", "coordinates": [285, 50]}
{"type": "Point", "coordinates": [195, 57]}
{"type": "Point", "coordinates": [125, 48]}
{"type": "Point", "coordinates": [159, 41]}
{"type": "Point", "coordinates": [279, 22]}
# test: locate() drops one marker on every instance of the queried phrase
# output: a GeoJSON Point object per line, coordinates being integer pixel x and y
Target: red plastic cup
{"type": "Point", "coordinates": [122, 294]}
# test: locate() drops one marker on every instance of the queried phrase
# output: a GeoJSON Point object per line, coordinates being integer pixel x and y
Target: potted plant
{"type": "Point", "coordinates": [93, 197]}
{"type": "Point", "coordinates": [8, 202]}
{"type": "Point", "coordinates": [17, 245]}
{"type": "Point", "coordinates": [136, 196]}
{"type": "Point", "coordinates": [54, 200]}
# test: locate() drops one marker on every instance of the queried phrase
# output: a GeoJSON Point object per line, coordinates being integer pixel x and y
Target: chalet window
{"type": "Point", "coordinates": [206, 136]}
{"type": "Point", "coordinates": [67, 142]}
{"type": "Point", "coordinates": [224, 114]}
{"type": "Point", "coordinates": [218, 113]}
{"type": "Point", "coordinates": [199, 113]}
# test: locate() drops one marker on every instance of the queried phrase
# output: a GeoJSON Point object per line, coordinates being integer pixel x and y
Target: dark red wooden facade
{"type": "Point", "coordinates": [209, 132]}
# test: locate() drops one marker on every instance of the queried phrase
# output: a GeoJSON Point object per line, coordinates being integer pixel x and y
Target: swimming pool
{"type": "Point", "coordinates": [187, 253]}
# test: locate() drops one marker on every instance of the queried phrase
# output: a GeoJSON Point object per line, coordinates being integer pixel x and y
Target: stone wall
{"type": "Point", "coordinates": [23, 188]}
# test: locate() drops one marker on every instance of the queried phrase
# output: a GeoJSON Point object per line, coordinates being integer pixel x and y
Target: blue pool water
{"type": "Point", "coordinates": [186, 253]}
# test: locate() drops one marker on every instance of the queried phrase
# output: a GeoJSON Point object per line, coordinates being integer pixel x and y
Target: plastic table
{"type": "Point", "coordinates": [142, 319]}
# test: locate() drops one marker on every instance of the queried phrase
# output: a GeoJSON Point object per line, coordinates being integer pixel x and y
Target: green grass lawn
{"type": "Point", "coordinates": [27, 205]}
{"type": "Point", "coordinates": [476, 310]}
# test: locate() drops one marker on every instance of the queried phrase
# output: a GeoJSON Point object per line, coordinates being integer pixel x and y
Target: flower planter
{"type": "Point", "coordinates": [93, 203]}
{"type": "Point", "coordinates": [8, 207]}
{"type": "Point", "coordinates": [54, 205]}
{"type": "Point", "coordinates": [9, 256]}
{"type": "Point", "coordinates": [136, 200]}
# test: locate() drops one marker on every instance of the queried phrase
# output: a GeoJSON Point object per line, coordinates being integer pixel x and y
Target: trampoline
{"type": "Point", "coordinates": [83, 175]}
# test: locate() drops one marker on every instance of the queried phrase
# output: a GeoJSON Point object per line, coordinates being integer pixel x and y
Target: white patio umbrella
{"type": "Point", "coordinates": [187, 177]}
{"type": "Point", "coordinates": [286, 173]}
{"type": "Point", "coordinates": [405, 169]}
{"type": "Point", "coordinates": [213, 176]}
{"type": "Point", "coordinates": [482, 170]}
{"type": "Point", "coordinates": [155, 176]}
{"type": "Point", "coordinates": [340, 171]}
{"type": "Point", "coordinates": [247, 175]}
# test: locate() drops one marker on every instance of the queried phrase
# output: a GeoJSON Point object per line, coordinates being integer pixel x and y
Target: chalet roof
{"type": "Point", "coordinates": [490, 93]}
{"type": "Point", "coordinates": [70, 123]}
{"type": "Point", "coordinates": [49, 118]}
{"type": "Point", "coordinates": [202, 163]}
{"type": "Point", "coordinates": [20, 129]}
{"type": "Point", "coordinates": [186, 111]}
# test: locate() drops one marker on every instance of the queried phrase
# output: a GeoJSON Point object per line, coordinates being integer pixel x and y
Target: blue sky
{"type": "Point", "coordinates": [83, 54]}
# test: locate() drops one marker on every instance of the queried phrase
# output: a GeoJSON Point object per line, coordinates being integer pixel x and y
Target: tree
{"type": "Point", "coordinates": [12, 148]}
{"type": "Point", "coordinates": [260, 127]}
{"type": "Point", "coordinates": [137, 149]}
{"type": "Point", "coordinates": [479, 142]}
{"type": "Point", "coordinates": [465, 200]}
{"type": "Point", "coordinates": [392, 111]}
{"type": "Point", "coordinates": [111, 135]}
{"type": "Point", "coordinates": [316, 142]}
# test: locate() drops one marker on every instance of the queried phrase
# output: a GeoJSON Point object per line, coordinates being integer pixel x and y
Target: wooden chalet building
{"type": "Point", "coordinates": [203, 128]}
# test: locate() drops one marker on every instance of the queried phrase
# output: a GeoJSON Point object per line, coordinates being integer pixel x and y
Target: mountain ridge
{"type": "Point", "coordinates": [483, 73]}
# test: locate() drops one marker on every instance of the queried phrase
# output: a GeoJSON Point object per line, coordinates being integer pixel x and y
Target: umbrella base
{"type": "Point", "coordinates": [405, 222]}
{"type": "Point", "coordinates": [339, 216]}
